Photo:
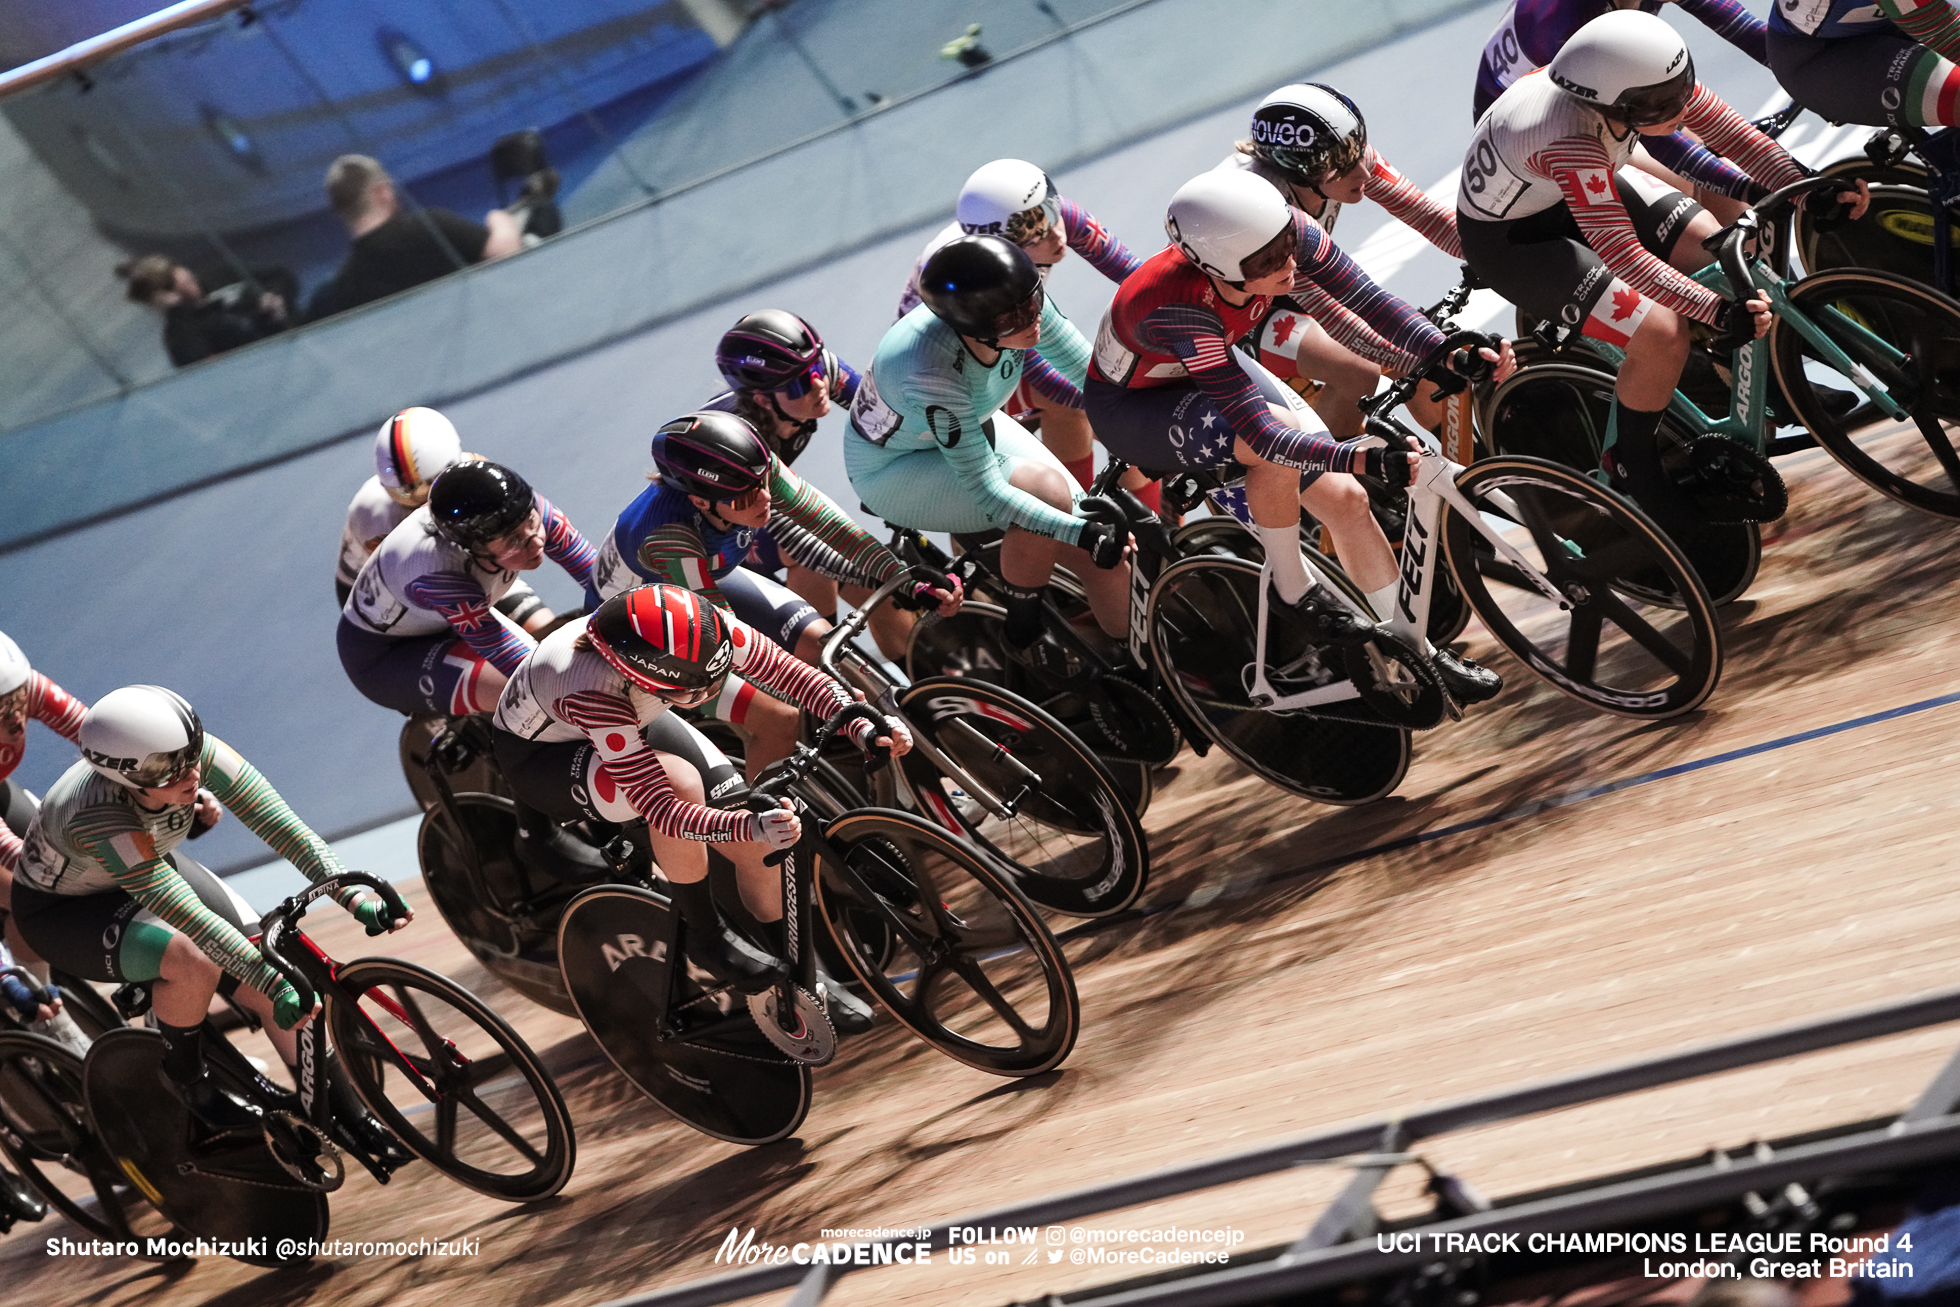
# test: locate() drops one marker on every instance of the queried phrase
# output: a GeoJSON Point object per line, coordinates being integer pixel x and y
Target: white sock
{"type": "Point", "coordinates": [1383, 600]}
{"type": "Point", "coordinates": [1282, 545]}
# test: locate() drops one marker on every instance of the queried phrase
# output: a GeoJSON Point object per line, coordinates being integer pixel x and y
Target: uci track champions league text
{"type": "Point", "coordinates": [992, 1245]}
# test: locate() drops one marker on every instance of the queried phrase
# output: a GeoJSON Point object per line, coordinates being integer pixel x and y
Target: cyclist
{"type": "Point", "coordinates": [1551, 220]}
{"type": "Point", "coordinates": [583, 733]}
{"type": "Point", "coordinates": [1886, 64]}
{"type": "Point", "coordinates": [1532, 31]}
{"type": "Point", "coordinates": [102, 892]}
{"type": "Point", "coordinates": [1167, 389]}
{"type": "Point", "coordinates": [26, 693]}
{"type": "Point", "coordinates": [930, 449]}
{"type": "Point", "coordinates": [1311, 143]}
{"type": "Point", "coordinates": [719, 487]}
{"type": "Point", "coordinates": [410, 449]}
{"type": "Point", "coordinates": [782, 379]}
{"type": "Point", "coordinates": [1014, 199]}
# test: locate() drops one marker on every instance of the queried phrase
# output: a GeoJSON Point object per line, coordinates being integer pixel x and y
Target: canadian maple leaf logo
{"type": "Point", "coordinates": [1283, 328]}
{"type": "Point", "coordinates": [1595, 183]}
{"type": "Point", "coordinates": [1625, 301]}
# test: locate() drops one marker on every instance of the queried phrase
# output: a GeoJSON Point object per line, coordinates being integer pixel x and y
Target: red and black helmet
{"type": "Point", "coordinates": [663, 639]}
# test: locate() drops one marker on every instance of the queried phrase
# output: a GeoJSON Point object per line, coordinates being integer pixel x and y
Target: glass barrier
{"type": "Point", "coordinates": [197, 163]}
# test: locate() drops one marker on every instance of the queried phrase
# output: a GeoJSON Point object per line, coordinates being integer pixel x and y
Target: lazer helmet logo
{"type": "Point", "coordinates": [1676, 61]}
{"type": "Point", "coordinates": [1566, 83]}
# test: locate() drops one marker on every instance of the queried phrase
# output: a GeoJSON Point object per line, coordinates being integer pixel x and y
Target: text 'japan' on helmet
{"type": "Point", "coordinates": [1222, 218]}
{"type": "Point", "coordinates": [141, 736]}
{"type": "Point", "coordinates": [773, 350]}
{"type": "Point", "coordinates": [1628, 64]}
{"type": "Point", "coordinates": [1011, 198]}
{"type": "Point", "coordinates": [473, 504]}
{"type": "Point", "coordinates": [662, 638]}
{"type": "Point", "coordinates": [714, 455]}
{"type": "Point", "coordinates": [412, 449]}
{"type": "Point", "coordinates": [985, 287]}
{"type": "Point", "coordinates": [1309, 133]}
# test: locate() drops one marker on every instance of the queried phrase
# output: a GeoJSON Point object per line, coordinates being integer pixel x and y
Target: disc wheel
{"type": "Point", "coordinates": [48, 1139]}
{"type": "Point", "coordinates": [702, 1059]}
{"type": "Point", "coordinates": [973, 971]}
{"type": "Point", "coordinates": [1914, 462]}
{"type": "Point", "coordinates": [1073, 843]}
{"type": "Point", "coordinates": [452, 1080]}
{"type": "Point", "coordinates": [521, 952]}
{"type": "Point", "coordinates": [1895, 235]}
{"type": "Point", "coordinates": [1558, 410]}
{"type": "Point", "coordinates": [1609, 647]}
{"type": "Point", "coordinates": [1203, 624]}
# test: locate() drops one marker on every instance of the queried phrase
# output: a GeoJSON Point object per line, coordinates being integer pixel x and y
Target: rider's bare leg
{"type": "Point", "coordinates": [1067, 434]}
{"type": "Point", "coordinates": [1345, 379]}
{"type": "Point", "coordinates": [685, 862]}
{"type": "Point", "coordinates": [1687, 253]}
{"type": "Point", "coordinates": [772, 728]}
{"type": "Point", "coordinates": [183, 993]}
{"type": "Point", "coordinates": [1027, 559]}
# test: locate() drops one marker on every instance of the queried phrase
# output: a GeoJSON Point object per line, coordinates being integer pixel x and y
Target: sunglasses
{"type": "Point", "coordinates": [815, 377]}
{"type": "Point", "coordinates": [746, 500]}
{"type": "Point", "coordinates": [1022, 316]}
{"type": "Point", "coordinates": [1268, 258]}
{"type": "Point", "coordinates": [153, 771]}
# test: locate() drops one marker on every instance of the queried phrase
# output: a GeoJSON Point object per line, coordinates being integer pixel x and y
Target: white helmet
{"type": "Point", "coordinates": [410, 449]}
{"type": "Point", "coordinates": [1223, 217]}
{"type": "Point", "coordinates": [1309, 132]}
{"type": "Point", "coordinates": [1003, 198]}
{"type": "Point", "coordinates": [1629, 64]}
{"type": "Point", "coordinates": [13, 665]}
{"type": "Point", "coordinates": [141, 736]}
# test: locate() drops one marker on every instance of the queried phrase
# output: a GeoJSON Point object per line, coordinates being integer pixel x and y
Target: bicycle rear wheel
{"type": "Point", "coordinates": [1073, 843]}
{"type": "Point", "coordinates": [455, 1083]}
{"type": "Point", "coordinates": [48, 1139]}
{"type": "Point", "coordinates": [1203, 624]}
{"type": "Point", "coordinates": [1611, 647]}
{"type": "Point", "coordinates": [702, 1059]}
{"type": "Point", "coordinates": [480, 775]}
{"type": "Point", "coordinates": [1914, 462]}
{"type": "Point", "coordinates": [523, 952]}
{"type": "Point", "coordinates": [1557, 410]}
{"type": "Point", "coordinates": [973, 971]}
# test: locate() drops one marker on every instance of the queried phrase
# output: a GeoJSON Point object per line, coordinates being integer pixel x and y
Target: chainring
{"type": "Point", "coordinates": [1733, 483]}
{"type": "Point", "coordinates": [304, 1151]}
{"type": "Point", "coordinates": [1395, 680]}
{"type": "Point", "coordinates": [812, 1041]}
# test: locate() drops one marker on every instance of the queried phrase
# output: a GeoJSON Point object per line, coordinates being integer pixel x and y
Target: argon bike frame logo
{"type": "Point", "coordinates": [629, 947]}
{"type": "Point", "coordinates": [1745, 381]}
{"type": "Point", "coordinates": [309, 1038]}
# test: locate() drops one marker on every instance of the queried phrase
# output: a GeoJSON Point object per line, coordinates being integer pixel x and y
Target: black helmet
{"type": "Point", "coordinates": [472, 504]}
{"type": "Point", "coordinates": [773, 350]}
{"type": "Point", "coordinates": [1309, 132]}
{"type": "Point", "coordinates": [985, 287]}
{"type": "Point", "coordinates": [714, 455]}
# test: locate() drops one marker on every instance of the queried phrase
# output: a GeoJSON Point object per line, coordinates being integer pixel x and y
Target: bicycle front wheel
{"type": "Point", "coordinates": [1611, 644]}
{"type": "Point", "coordinates": [453, 1081]}
{"type": "Point", "coordinates": [1203, 624]}
{"type": "Point", "coordinates": [1072, 843]}
{"type": "Point", "coordinates": [1908, 337]}
{"type": "Point", "coordinates": [45, 1133]}
{"type": "Point", "coordinates": [968, 966]}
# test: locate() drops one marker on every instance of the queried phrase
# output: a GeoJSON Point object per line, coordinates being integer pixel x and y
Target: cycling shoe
{"type": "Point", "coordinates": [18, 1201]}
{"type": "Point", "coordinates": [212, 1107]}
{"type": "Point", "coordinates": [1327, 619]}
{"type": "Point", "coordinates": [1466, 681]}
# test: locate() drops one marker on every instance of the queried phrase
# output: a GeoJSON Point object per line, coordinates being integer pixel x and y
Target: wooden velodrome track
{"type": "Point", "coordinates": [1287, 983]}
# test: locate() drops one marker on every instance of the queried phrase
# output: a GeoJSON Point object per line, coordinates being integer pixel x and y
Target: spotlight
{"type": "Point", "coordinates": [411, 61]}
{"type": "Point", "coordinates": [233, 139]}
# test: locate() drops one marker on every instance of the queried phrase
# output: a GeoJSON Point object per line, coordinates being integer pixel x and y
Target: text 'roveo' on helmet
{"type": "Point", "coordinates": [1011, 198]}
{"type": "Point", "coordinates": [412, 449]}
{"type": "Point", "coordinates": [473, 504]}
{"type": "Point", "coordinates": [1308, 133]}
{"type": "Point", "coordinates": [774, 350]}
{"type": "Point", "coordinates": [1627, 64]}
{"type": "Point", "coordinates": [985, 287]}
{"type": "Point", "coordinates": [1232, 224]}
{"type": "Point", "coordinates": [663, 639]}
{"type": "Point", "coordinates": [141, 736]}
{"type": "Point", "coordinates": [714, 455]}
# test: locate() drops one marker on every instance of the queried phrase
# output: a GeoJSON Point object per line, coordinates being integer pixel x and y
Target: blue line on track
{"type": "Point", "coordinates": [1088, 928]}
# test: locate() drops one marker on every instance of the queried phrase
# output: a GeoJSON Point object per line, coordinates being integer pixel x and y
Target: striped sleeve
{"type": "Point", "coordinates": [1693, 160]}
{"type": "Point", "coordinates": [610, 724]}
{"type": "Point", "coordinates": [1089, 238]}
{"type": "Point", "coordinates": [676, 554]}
{"type": "Point", "coordinates": [1323, 263]}
{"type": "Point", "coordinates": [564, 545]}
{"type": "Point", "coordinates": [811, 510]}
{"type": "Point", "coordinates": [1584, 175]}
{"type": "Point", "coordinates": [245, 791]}
{"type": "Point", "coordinates": [1044, 377]}
{"type": "Point", "coordinates": [768, 665]}
{"type": "Point", "coordinates": [1348, 330]}
{"type": "Point", "coordinates": [60, 711]}
{"type": "Point", "coordinates": [10, 847]}
{"type": "Point", "coordinates": [1930, 22]}
{"type": "Point", "coordinates": [1733, 137]}
{"type": "Point", "coordinates": [461, 602]}
{"type": "Point", "coordinates": [1409, 202]}
{"type": "Point", "coordinates": [1734, 24]}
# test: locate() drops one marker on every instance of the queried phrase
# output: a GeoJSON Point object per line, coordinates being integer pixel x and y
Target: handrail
{"type": "Point", "coordinates": [75, 58]}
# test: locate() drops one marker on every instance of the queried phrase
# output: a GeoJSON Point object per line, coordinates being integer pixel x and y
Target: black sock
{"type": "Point", "coordinates": [696, 902]}
{"type": "Point", "coordinates": [183, 1051]}
{"type": "Point", "coordinates": [1633, 445]}
{"type": "Point", "coordinates": [1023, 614]}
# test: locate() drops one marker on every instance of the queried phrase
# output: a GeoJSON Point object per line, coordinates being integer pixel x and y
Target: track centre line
{"type": "Point", "coordinates": [1200, 897]}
